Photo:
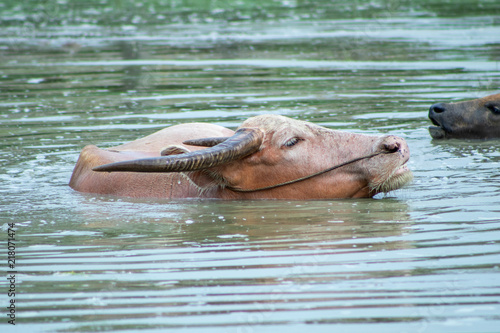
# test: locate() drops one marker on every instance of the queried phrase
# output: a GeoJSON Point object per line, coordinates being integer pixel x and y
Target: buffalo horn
{"type": "Point", "coordinates": [206, 142]}
{"type": "Point", "coordinates": [244, 142]}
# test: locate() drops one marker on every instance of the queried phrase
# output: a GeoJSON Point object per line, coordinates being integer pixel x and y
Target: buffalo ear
{"type": "Point", "coordinates": [173, 150]}
{"type": "Point", "coordinates": [206, 142]}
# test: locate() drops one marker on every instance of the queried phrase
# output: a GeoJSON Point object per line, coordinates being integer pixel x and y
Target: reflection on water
{"type": "Point", "coordinates": [424, 258]}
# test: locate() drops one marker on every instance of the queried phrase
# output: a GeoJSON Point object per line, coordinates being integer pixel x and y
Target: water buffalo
{"type": "Point", "coordinates": [475, 119]}
{"type": "Point", "coordinates": [269, 156]}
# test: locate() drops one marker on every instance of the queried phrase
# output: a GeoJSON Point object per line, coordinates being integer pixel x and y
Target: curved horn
{"type": "Point", "coordinates": [206, 142]}
{"type": "Point", "coordinates": [244, 142]}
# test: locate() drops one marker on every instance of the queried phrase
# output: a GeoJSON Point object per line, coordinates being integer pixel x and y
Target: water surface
{"type": "Point", "coordinates": [421, 259]}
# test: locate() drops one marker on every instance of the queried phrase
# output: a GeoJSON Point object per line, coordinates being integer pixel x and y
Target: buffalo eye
{"type": "Point", "coordinates": [493, 108]}
{"type": "Point", "coordinates": [292, 142]}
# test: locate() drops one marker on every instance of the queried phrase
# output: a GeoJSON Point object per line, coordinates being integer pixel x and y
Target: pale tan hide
{"type": "Point", "coordinates": [290, 149]}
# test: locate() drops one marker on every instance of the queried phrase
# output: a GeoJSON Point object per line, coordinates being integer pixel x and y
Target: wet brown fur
{"type": "Point", "coordinates": [474, 119]}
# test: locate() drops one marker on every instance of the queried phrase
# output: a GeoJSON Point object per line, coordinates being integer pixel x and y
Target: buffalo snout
{"type": "Point", "coordinates": [391, 147]}
{"type": "Point", "coordinates": [437, 108]}
{"type": "Point", "coordinates": [393, 144]}
{"type": "Point", "coordinates": [437, 115]}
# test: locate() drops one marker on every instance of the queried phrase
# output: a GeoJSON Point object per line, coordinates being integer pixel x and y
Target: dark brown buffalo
{"type": "Point", "coordinates": [269, 156]}
{"type": "Point", "coordinates": [475, 119]}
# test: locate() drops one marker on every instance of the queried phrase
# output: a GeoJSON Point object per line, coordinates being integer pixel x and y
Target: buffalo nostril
{"type": "Point", "coordinates": [437, 108]}
{"type": "Point", "coordinates": [391, 147]}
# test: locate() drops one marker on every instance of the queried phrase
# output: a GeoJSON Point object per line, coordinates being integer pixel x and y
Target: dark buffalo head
{"type": "Point", "coordinates": [475, 119]}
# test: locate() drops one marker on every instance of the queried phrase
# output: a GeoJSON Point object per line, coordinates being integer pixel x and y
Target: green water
{"type": "Point", "coordinates": [421, 259]}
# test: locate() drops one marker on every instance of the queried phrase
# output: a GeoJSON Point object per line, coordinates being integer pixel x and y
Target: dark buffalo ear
{"type": "Point", "coordinates": [206, 142]}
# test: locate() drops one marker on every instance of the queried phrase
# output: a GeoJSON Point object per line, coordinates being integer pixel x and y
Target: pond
{"type": "Point", "coordinates": [425, 258]}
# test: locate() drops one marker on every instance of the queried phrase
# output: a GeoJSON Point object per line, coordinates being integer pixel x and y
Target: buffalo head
{"type": "Point", "coordinates": [475, 119]}
{"type": "Point", "coordinates": [269, 156]}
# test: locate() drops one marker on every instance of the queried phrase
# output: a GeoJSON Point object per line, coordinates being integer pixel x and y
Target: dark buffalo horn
{"type": "Point", "coordinates": [244, 142]}
{"type": "Point", "coordinates": [206, 142]}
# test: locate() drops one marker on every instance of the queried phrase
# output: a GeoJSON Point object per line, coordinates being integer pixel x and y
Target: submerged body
{"type": "Point", "coordinates": [252, 163]}
{"type": "Point", "coordinates": [474, 119]}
